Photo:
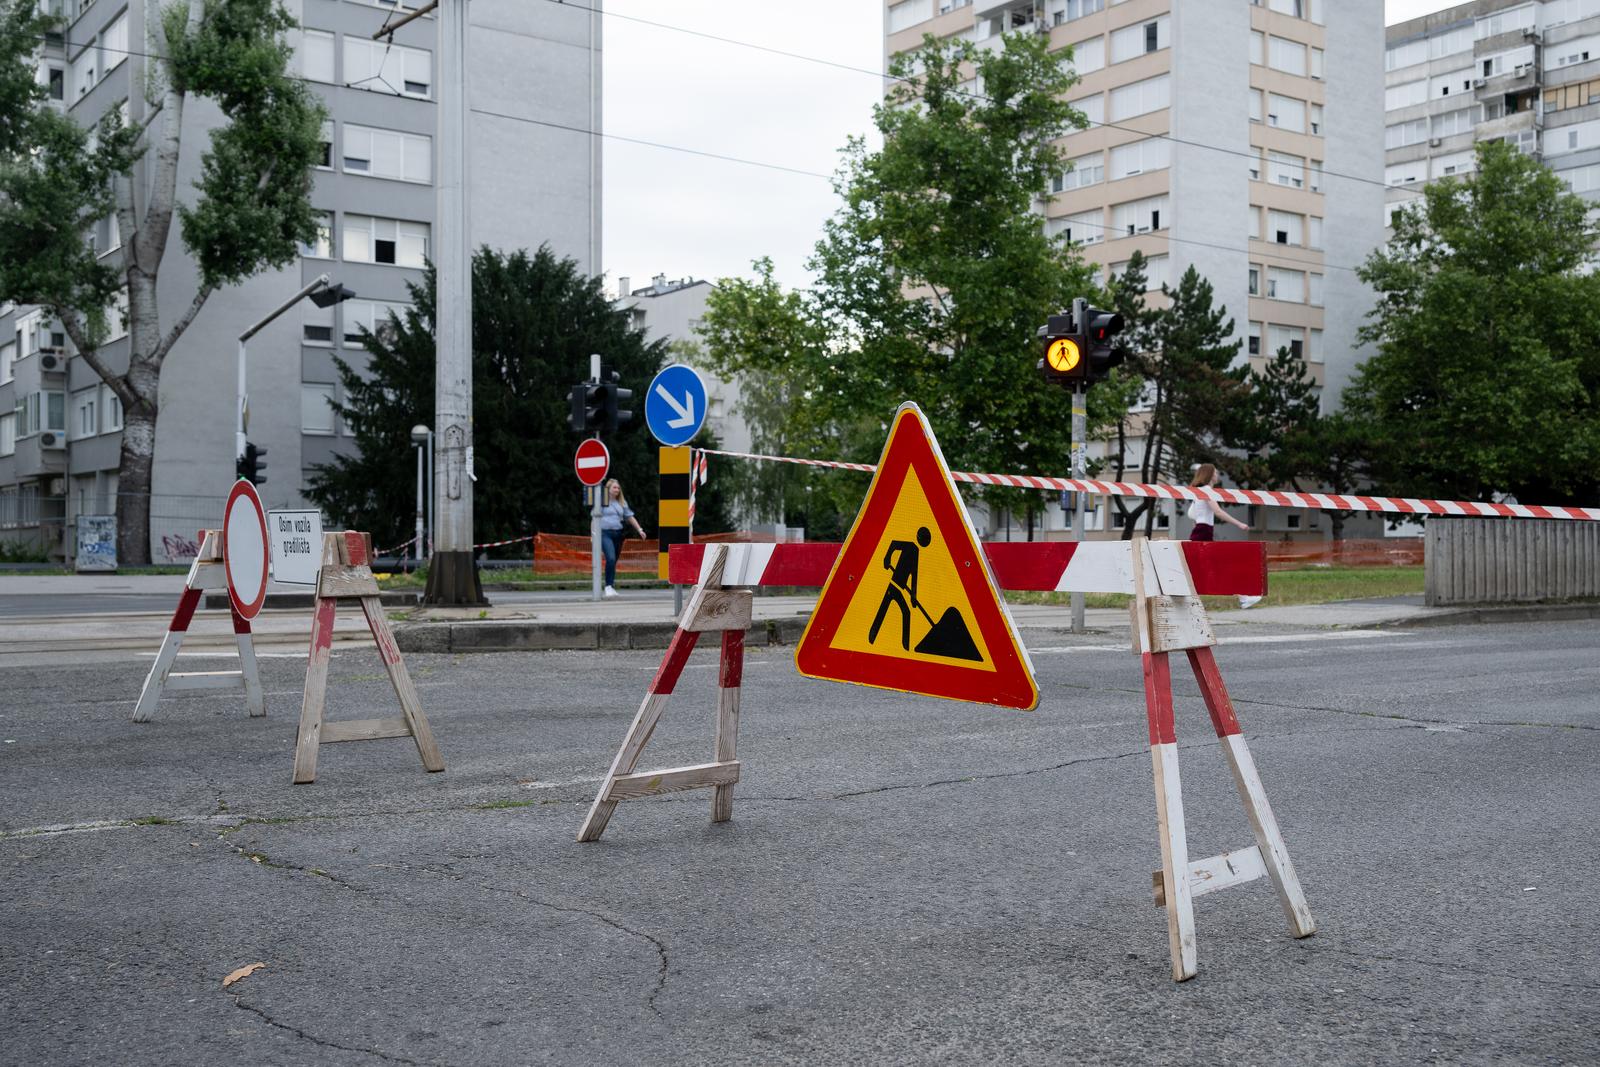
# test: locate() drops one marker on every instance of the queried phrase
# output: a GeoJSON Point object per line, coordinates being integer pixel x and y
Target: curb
{"type": "Point", "coordinates": [395, 598]}
{"type": "Point", "coordinates": [1493, 614]}
{"type": "Point", "coordinates": [529, 636]}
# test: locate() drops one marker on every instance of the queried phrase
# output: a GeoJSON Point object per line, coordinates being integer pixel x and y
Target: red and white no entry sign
{"type": "Point", "coordinates": [592, 461]}
{"type": "Point", "coordinates": [244, 549]}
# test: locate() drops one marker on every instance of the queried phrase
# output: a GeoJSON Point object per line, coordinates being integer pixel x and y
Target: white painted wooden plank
{"type": "Point", "coordinates": [722, 609]}
{"type": "Point", "coordinates": [727, 748]}
{"type": "Point", "coordinates": [1219, 872]}
{"type": "Point", "coordinates": [638, 735]}
{"type": "Point", "coordinates": [1174, 859]}
{"type": "Point", "coordinates": [364, 730]}
{"type": "Point", "coordinates": [1273, 851]}
{"type": "Point", "coordinates": [1171, 569]}
{"type": "Point", "coordinates": [206, 680]}
{"type": "Point", "coordinates": [255, 698]}
{"type": "Point", "coordinates": [744, 564]}
{"type": "Point", "coordinates": [150, 695]}
{"type": "Point", "coordinates": [672, 780]}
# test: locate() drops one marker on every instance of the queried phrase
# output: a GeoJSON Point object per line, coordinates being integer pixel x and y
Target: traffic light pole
{"type": "Point", "coordinates": [1080, 467]}
{"type": "Point", "coordinates": [595, 550]}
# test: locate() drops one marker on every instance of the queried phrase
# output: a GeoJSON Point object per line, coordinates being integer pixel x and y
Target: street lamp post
{"type": "Point", "coordinates": [324, 292]}
{"type": "Point", "coordinates": [422, 440]}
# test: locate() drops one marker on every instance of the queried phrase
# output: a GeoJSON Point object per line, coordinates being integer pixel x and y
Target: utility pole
{"type": "Point", "coordinates": [452, 576]}
{"type": "Point", "coordinates": [1080, 468]}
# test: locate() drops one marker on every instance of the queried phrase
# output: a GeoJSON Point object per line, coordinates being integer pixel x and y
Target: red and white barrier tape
{"type": "Point", "coordinates": [487, 544]}
{"type": "Point", "coordinates": [1263, 497]}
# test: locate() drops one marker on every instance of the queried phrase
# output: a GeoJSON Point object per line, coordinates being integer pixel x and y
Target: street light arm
{"type": "Point", "coordinates": [322, 281]}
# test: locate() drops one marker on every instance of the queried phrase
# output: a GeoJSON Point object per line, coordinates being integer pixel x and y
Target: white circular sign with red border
{"type": "Point", "coordinates": [244, 549]}
{"type": "Point", "coordinates": [592, 461]}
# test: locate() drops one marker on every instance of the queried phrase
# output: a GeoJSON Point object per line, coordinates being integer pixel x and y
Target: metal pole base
{"type": "Point", "coordinates": [453, 581]}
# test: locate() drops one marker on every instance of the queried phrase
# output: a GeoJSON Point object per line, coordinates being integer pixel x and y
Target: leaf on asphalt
{"type": "Point", "coordinates": [247, 969]}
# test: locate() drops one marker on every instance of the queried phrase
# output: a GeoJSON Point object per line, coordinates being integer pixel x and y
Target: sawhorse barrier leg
{"type": "Point", "coordinates": [347, 575]}
{"type": "Point", "coordinates": [1166, 621]}
{"type": "Point", "coordinates": [712, 608]}
{"type": "Point", "coordinates": [206, 572]}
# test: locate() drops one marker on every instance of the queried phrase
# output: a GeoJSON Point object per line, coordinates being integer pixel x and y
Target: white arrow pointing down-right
{"type": "Point", "coordinates": [685, 410]}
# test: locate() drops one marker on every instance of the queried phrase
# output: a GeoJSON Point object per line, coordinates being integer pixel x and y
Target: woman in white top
{"type": "Point", "coordinates": [1205, 513]}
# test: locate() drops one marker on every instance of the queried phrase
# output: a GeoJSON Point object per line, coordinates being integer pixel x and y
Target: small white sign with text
{"type": "Point", "coordinates": [296, 539]}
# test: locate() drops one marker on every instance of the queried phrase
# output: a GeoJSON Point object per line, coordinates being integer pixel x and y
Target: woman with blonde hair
{"type": "Point", "coordinates": [613, 513]}
{"type": "Point", "coordinates": [1205, 513]}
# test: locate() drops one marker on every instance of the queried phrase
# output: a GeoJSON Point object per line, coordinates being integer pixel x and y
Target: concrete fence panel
{"type": "Point", "coordinates": [1504, 561]}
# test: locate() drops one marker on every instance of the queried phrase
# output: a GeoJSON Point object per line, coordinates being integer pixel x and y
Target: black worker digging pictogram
{"type": "Point", "coordinates": [949, 637]}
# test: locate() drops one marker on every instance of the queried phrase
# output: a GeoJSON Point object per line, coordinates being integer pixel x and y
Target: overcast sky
{"type": "Point", "coordinates": [672, 213]}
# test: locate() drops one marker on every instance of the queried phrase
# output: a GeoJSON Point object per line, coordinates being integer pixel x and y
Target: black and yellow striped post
{"type": "Point", "coordinates": [672, 522]}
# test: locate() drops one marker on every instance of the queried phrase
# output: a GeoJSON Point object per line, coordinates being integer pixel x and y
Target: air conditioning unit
{"type": "Point", "coordinates": [53, 439]}
{"type": "Point", "coordinates": [1435, 142]}
{"type": "Point", "coordinates": [51, 362]}
{"type": "Point", "coordinates": [1530, 34]}
{"type": "Point", "coordinates": [1477, 83]}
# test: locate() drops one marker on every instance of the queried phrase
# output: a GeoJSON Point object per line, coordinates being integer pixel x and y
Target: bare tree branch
{"type": "Point", "coordinates": [72, 322]}
{"type": "Point", "coordinates": [182, 324]}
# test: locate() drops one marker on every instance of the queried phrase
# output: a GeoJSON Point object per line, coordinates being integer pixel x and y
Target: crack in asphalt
{"type": "Point", "coordinates": [261, 1013]}
{"type": "Point", "coordinates": [264, 860]}
{"type": "Point", "coordinates": [1467, 971]}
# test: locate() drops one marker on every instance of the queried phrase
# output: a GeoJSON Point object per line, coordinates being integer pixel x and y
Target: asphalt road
{"type": "Point", "coordinates": [36, 605]}
{"type": "Point", "coordinates": [904, 880]}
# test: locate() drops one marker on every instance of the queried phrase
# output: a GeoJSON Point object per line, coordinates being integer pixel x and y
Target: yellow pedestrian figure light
{"type": "Point", "coordinates": [1063, 355]}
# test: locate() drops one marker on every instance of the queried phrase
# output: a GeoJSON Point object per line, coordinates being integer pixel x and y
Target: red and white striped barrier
{"type": "Point", "coordinates": [1219, 568]}
{"type": "Point", "coordinates": [1272, 498]}
{"type": "Point", "coordinates": [206, 572]}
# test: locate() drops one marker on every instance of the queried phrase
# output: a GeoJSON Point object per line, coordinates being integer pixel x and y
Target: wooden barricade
{"type": "Point", "coordinates": [712, 608]}
{"type": "Point", "coordinates": [346, 574]}
{"type": "Point", "coordinates": [1167, 618]}
{"type": "Point", "coordinates": [205, 573]}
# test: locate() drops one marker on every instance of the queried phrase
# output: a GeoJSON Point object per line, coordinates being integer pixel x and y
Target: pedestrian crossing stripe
{"type": "Point", "coordinates": [910, 603]}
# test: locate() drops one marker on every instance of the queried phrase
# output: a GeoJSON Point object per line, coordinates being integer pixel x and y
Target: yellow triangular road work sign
{"type": "Point", "coordinates": [910, 603]}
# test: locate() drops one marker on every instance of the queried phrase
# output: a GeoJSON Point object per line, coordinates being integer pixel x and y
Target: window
{"type": "Point", "coordinates": [83, 69]}
{"type": "Point", "coordinates": [1398, 96]}
{"type": "Point", "coordinates": [1286, 170]}
{"type": "Point", "coordinates": [1405, 55]}
{"type": "Point", "coordinates": [1286, 55]}
{"type": "Point", "coordinates": [1130, 42]}
{"type": "Point", "coordinates": [406, 157]}
{"type": "Point", "coordinates": [43, 410]}
{"type": "Point", "coordinates": [1255, 105]}
{"type": "Point", "coordinates": [1441, 86]}
{"type": "Point", "coordinates": [1093, 108]}
{"type": "Point", "coordinates": [1316, 118]}
{"type": "Point", "coordinates": [1082, 171]}
{"type": "Point", "coordinates": [110, 410]}
{"type": "Point", "coordinates": [1284, 284]}
{"type": "Point", "coordinates": [1575, 95]}
{"type": "Point", "coordinates": [1448, 44]}
{"type": "Point", "coordinates": [1255, 221]}
{"type": "Point", "coordinates": [1255, 280]}
{"type": "Point", "coordinates": [1141, 216]}
{"type": "Point", "coordinates": [1316, 289]}
{"type": "Point", "coordinates": [1315, 232]}
{"type": "Point", "coordinates": [315, 55]}
{"type": "Point", "coordinates": [1141, 97]}
{"type": "Point", "coordinates": [316, 409]}
{"type": "Point", "coordinates": [1288, 7]}
{"type": "Point", "coordinates": [908, 13]}
{"type": "Point", "coordinates": [1316, 63]}
{"type": "Point", "coordinates": [1140, 157]}
{"type": "Point", "coordinates": [1255, 168]}
{"type": "Point", "coordinates": [325, 160]}
{"type": "Point", "coordinates": [1286, 112]}
{"type": "Point", "coordinates": [1314, 352]}
{"type": "Point", "coordinates": [1253, 344]}
{"type": "Point", "coordinates": [1158, 272]}
{"type": "Point", "coordinates": [8, 434]}
{"type": "Point", "coordinates": [374, 240]}
{"type": "Point", "coordinates": [8, 357]}
{"type": "Point", "coordinates": [114, 44]}
{"type": "Point", "coordinates": [1453, 122]}
{"type": "Point", "coordinates": [1258, 45]}
{"type": "Point", "coordinates": [1285, 229]}
{"type": "Point", "coordinates": [387, 69]}
{"type": "Point", "coordinates": [1316, 175]}
{"type": "Point", "coordinates": [84, 423]}
{"type": "Point", "coordinates": [322, 247]}
{"type": "Point", "coordinates": [1290, 337]}
{"type": "Point", "coordinates": [1089, 56]}
{"type": "Point", "coordinates": [1076, 9]}
{"type": "Point", "coordinates": [316, 325]}
{"type": "Point", "coordinates": [1453, 164]}
{"type": "Point", "coordinates": [117, 317]}
{"type": "Point", "coordinates": [371, 315]}
{"type": "Point", "coordinates": [1519, 18]}
{"type": "Point", "coordinates": [1086, 227]}
{"type": "Point", "coordinates": [1582, 179]}
{"type": "Point", "coordinates": [56, 79]}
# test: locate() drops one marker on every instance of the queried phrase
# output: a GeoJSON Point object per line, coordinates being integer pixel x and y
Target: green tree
{"type": "Point", "coordinates": [1487, 375]}
{"type": "Point", "coordinates": [535, 320]}
{"type": "Point", "coordinates": [248, 211]}
{"type": "Point", "coordinates": [934, 273]}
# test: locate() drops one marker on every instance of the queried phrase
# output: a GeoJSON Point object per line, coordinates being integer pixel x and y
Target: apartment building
{"type": "Point", "coordinates": [1493, 70]}
{"type": "Point", "coordinates": [1239, 136]}
{"type": "Point", "coordinates": [535, 178]}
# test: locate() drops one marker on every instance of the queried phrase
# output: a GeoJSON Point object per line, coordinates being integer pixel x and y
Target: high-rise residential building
{"type": "Point", "coordinates": [1239, 136]}
{"type": "Point", "coordinates": [1493, 70]}
{"type": "Point", "coordinates": [534, 178]}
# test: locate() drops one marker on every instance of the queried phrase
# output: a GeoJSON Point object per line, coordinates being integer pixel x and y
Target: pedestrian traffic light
{"type": "Point", "coordinates": [1101, 329]}
{"type": "Point", "coordinates": [588, 406]}
{"type": "Point", "coordinates": [252, 466]}
{"type": "Point", "coordinates": [1079, 345]}
{"type": "Point", "coordinates": [617, 416]}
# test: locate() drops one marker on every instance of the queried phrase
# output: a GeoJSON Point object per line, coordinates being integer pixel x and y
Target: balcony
{"type": "Point", "coordinates": [1515, 83]}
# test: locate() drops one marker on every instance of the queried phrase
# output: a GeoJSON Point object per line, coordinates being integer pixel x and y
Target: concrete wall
{"type": "Point", "coordinates": [1483, 561]}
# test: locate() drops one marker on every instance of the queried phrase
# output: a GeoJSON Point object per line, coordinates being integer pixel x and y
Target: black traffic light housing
{"type": "Point", "coordinates": [1079, 345]}
{"type": "Point", "coordinates": [617, 416]}
{"type": "Point", "coordinates": [252, 466]}
{"type": "Point", "coordinates": [588, 404]}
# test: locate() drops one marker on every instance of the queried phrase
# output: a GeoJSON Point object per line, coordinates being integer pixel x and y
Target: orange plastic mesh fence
{"type": "Point", "coordinates": [1354, 552]}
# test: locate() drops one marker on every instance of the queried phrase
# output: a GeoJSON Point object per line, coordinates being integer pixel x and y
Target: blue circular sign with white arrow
{"type": "Point", "coordinates": [675, 406]}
